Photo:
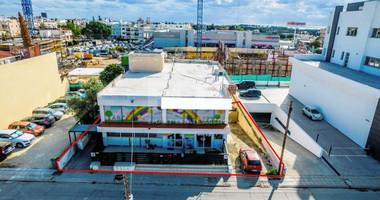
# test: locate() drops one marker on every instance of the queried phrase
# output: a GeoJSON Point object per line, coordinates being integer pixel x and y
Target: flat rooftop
{"type": "Point", "coordinates": [176, 80]}
{"type": "Point", "coordinates": [354, 75]}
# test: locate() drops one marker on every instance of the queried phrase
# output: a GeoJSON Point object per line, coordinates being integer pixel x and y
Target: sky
{"type": "Point", "coordinates": [274, 12]}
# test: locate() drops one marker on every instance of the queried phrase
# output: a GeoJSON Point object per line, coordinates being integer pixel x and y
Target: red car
{"type": "Point", "coordinates": [250, 160]}
{"type": "Point", "coordinates": [27, 127]}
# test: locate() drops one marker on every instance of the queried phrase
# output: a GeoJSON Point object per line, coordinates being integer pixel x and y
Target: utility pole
{"type": "Point", "coordinates": [126, 190]}
{"type": "Point", "coordinates": [285, 135]}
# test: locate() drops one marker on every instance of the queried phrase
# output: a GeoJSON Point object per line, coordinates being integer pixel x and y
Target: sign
{"type": "Point", "coordinates": [296, 24]}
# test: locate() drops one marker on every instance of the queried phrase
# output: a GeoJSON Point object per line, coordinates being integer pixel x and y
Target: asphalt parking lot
{"type": "Point", "coordinates": [50, 144]}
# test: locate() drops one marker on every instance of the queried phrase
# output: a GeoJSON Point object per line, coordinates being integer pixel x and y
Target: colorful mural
{"type": "Point", "coordinates": [154, 115]}
{"type": "Point", "coordinates": [112, 113]}
{"type": "Point", "coordinates": [135, 114]}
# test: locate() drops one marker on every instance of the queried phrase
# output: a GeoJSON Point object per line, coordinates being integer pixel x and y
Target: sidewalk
{"type": "Point", "coordinates": [331, 181]}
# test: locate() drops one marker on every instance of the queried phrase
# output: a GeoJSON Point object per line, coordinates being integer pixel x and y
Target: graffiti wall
{"type": "Point", "coordinates": [132, 114]}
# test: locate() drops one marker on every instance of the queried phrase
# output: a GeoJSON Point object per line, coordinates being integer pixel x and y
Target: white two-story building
{"type": "Point", "coordinates": [178, 107]}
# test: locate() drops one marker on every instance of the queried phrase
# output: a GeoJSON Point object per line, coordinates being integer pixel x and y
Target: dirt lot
{"type": "Point", "coordinates": [238, 139]}
{"type": "Point", "coordinates": [103, 62]}
{"type": "Point", "coordinates": [50, 144]}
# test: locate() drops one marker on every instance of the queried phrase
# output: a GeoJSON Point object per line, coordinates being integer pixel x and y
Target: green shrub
{"type": "Point", "coordinates": [272, 172]}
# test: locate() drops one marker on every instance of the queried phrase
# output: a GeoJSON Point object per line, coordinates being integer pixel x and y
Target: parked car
{"type": "Point", "coordinates": [73, 94]}
{"type": "Point", "coordinates": [18, 138]}
{"type": "Point", "coordinates": [250, 160]}
{"type": "Point", "coordinates": [6, 148]}
{"type": "Point", "coordinates": [56, 114]}
{"type": "Point", "coordinates": [250, 93]}
{"type": "Point", "coordinates": [62, 107]}
{"type": "Point", "coordinates": [27, 127]}
{"type": "Point", "coordinates": [246, 84]}
{"type": "Point", "coordinates": [312, 113]}
{"type": "Point", "coordinates": [42, 119]}
{"type": "Point", "coordinates": [60, 100]}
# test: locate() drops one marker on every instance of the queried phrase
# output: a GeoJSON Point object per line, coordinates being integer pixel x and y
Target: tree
{"type": "Point", "coordinates": [315, 44]}
{"type": "Point", "coordinates": [26, 39]}
{"type": "Point", "coordinates": [97, 30]}
{"type": "Point", "coordinates": [110, 73]}
{"type": "Point", "coordinates": [87, 108]}
{"type": "Point", "coordinates": [73, 27]}
{"type": "Point", "coordinates": [109, 114]}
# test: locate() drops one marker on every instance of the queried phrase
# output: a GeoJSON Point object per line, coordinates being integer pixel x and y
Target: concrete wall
{"type": "Point", "coordinates": [27, 84]}
{"type": "Point", "coordinates": [297, 133]}
{"type": "Point", "coordinates": [374, 134]}
{"type": "Point", "coordinates": [147, 62]}
{"type": "Point", "coordinates": [347, 105]}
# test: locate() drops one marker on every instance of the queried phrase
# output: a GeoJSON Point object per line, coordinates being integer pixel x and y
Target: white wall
{"type": "Point", "coordinates": [65, 159]}
{"type": "Point", "coordinates": [297, 133]}
{"type": "Point", "coordinates": [347, 105]}
{"type": "Point", "coordinates": [362, 44]}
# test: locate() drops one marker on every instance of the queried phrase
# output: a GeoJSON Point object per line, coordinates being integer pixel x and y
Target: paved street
{"type": "Point", "coordinates": [77, 190]}
{"type": "Point", "coordinates": [50, 144]}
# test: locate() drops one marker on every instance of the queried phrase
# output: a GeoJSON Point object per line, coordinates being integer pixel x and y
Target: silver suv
{"type": "Point", "coordinates": [56, 114]}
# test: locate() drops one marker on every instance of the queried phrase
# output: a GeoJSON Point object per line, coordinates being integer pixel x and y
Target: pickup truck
{"type": "Point", "coordinates": [246, 85]}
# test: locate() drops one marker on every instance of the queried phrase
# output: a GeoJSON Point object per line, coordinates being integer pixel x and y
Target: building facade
{"type": "Point", "coordinates": [182, 107]}
{"type": "Point", "coordinates": [236, 39]}
{"type": "Point", "coordinates": [10, 27]}
{"type": "Point", "coordinates": [128, 31]}
{"type": "Point", "coordinates": [334, 82]}
{"type": "Point", "coordinates": [353, 37]}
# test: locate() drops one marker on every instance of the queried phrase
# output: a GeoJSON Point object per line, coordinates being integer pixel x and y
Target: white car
{"type": "Point", "coordinates": [18, 138]}
{"type": "Point", "coordinates": [61, 107]}
{"type": "Point", "coordinates": [312, 113]}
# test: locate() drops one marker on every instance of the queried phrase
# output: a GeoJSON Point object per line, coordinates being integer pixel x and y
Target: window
{"type": "Point", "coordinates": [372, 62]}
{"type": "Point", "coordinates": [333, 53]}
{"type": "Point", "coordinates": [352, 31]}
{"type": "Point", "coordinates": [376, 33]}
{"type": "Point", "coordinates": [337, 31]}
{"type": "Point", "coordinates": [328, 29]}
{"type": "Point", "coordinates": [341, 57]}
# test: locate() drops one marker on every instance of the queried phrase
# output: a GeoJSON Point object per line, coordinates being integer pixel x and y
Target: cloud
{"type": "Point", "coordinates": [313, 12]}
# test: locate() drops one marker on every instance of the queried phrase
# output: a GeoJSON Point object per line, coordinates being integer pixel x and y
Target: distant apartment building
{"type": "Point", "coordinates": [10, 27]}
{"type": "Point", "coordinates": [344, 82]}
{"type": "Point", "coordinates": [353, 37]}
{"type": "Point", "coordinates": [173, 38]}
{"type": "Point", "coordinates": [164, 26]}
{"type": "Point", "coordinates": [128, 31]}
{"type": "Point", "coordinates": [179, 109]}
{"type": "Point", "coordinates": [238, 39]}
{"type": "Point", "coordinates": [65, 34]}
{"type": "Point", "coordinates": [50, 45]}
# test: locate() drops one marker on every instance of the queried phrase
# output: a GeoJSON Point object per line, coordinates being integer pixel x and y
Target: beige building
{"type": "Point", "coordinates": [53, 45]}
{"type": "Point", "coordinates": [27, 84]}
{"type": "Point", "coordinates": [10, 26]}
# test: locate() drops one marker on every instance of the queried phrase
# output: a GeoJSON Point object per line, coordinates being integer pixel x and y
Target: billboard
{"type": "Point", "coordinates": [44, 14]}
{"type": "Point", "coordinates": [296, 24]}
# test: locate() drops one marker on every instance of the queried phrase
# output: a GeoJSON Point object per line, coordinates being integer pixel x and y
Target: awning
{"type": "Point", "coordinates": [83, 128]}
{"type": "Point", "coordinates": [75, 85]}
{"type": "Point", "coordinates": [196, 103]}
